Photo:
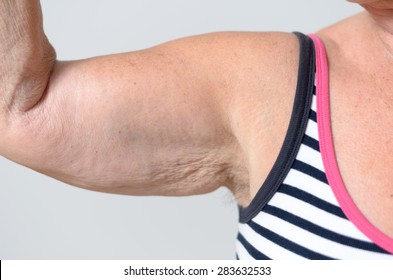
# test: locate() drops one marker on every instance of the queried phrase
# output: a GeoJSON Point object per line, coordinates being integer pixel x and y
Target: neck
{"type": "Point", "coordinates": [382, 13]}
{"type": "Point", "coordinates": [385, 23]}
{"type": "Point", "coordinates": [382, 22]}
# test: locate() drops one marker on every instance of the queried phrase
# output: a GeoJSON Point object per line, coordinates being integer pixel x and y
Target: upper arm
{"type": "Point", "coordinates": [156, 121]}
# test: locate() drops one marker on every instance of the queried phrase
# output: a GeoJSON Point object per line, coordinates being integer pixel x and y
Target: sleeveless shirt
{"type": "Point", "coordinates": [302, 210]}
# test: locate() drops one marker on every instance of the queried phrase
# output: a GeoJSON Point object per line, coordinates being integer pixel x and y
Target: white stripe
{"type": "Point", "coordinates": [316, 216]}
{"type": "Point", "coordinates": [312, 129]}
{"type": "Point", "coordinates": [311, 185]}
{"type": "Point", "coordinates": [265, 246]}
{"type": "Point", "coordinates": [311, 157]}
{"type": "Point", "coordinates": [314, 242]}
{"type": "Point", "coordinates": [242, 252]}
{"type": "Point", "coordinates": [314, 103]}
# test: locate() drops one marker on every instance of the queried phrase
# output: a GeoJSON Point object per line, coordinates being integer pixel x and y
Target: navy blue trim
{"type": "Point", "coordinates": [295, 133]}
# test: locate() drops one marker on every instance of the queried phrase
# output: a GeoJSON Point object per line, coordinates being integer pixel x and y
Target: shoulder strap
{"type": "Point", "coordinates": [295, 133]}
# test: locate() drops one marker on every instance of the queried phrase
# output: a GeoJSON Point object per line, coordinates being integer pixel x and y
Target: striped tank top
{"type": "Point", "coordinates": [302, 210]}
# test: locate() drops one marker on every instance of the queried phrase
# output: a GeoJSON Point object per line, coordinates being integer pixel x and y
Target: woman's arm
{"type": "Point", "coordinates": [27, 58]}
{"type": "Point", "coordinates": [158, 121]}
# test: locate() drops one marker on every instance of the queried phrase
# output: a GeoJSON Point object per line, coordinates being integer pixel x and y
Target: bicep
{"type": "Point", "coordinates": [162, 121]}
{"type": "Point", "coordinates": [146, 122]}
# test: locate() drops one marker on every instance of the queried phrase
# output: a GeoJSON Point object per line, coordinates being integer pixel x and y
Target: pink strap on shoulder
{"type": "Point", "coordinates": [329, 157]}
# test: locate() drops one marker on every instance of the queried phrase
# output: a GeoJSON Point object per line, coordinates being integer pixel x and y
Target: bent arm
{"type": "Point", "coordinates": [26, 56]}
{"type": "Point", "coordinates": [137, 123]}
{"type": "Point", "coordinates": [145, 122]}
{"type": "Point", "coordinates": [160, 121]}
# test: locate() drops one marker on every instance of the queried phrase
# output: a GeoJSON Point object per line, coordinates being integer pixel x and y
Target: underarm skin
{"type": "Point", "coordinates": [138, 123]}
{"type": "Point", "coordinates": [181, 118]}
{"type": "Point", "coordinates": [116, 130]}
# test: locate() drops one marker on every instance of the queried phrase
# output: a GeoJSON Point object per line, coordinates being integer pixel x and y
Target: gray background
{"type": "Point", "coordinates": [41, 218]}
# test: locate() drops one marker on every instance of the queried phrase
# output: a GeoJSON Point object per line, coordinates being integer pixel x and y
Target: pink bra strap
{"type": "Point", "coordinates": [328, 153]}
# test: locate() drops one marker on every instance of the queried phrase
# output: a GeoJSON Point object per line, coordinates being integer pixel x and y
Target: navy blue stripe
{"type": "Point", "coordinates": [310, 170]}
{"type": "Point", "coordinates": [312, 199]}
{"type": "Point", "coordinates": [320, 231]}
{"type": "Point", "coordinates": [251, 250]}
{"type": "Point", "coordinates": [311, 142]}
{"type": "Point", "coordinates": [313, 115]}
{"type": "Point", "coordinates": [287, 244]}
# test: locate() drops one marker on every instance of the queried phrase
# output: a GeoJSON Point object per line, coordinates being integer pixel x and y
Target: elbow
{"type": "Point", "coordinates": [27, 80]}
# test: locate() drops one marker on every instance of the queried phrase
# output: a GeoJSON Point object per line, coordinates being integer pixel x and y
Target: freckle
{"type": "Point", "coordinates": [119, 131]}
{"type": "Point", "coordinates": [134, 83]}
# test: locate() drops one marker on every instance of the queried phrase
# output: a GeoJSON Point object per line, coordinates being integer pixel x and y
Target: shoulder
{"type": "Point", "coordinates": [257, 92]}
{"type": "Point", "coordinates": [246, 50]}
{"type": "Point", "coordinates": [250, 79]}
{"type": "Point", "coordinates": [234, 51]}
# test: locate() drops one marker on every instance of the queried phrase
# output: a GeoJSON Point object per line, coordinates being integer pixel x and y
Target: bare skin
{"type": "Point", "coordinates": [175, 119]}
{"type": "Point", "coordinates": [361, 92]}
{"type": "Point", "coordinates": [194, 114]}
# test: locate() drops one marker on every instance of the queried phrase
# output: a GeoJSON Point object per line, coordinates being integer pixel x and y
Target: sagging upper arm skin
{"type": "Point", "coordinates": [159, 121]}
{"type": "Point", "coordinates": [145, 122]}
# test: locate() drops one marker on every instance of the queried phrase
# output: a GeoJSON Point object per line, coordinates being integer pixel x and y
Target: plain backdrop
{"type": "Point", "coordinates": [41, 218]}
